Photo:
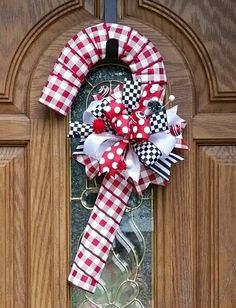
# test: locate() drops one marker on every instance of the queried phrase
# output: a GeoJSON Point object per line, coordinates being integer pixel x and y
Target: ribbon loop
{"type": "Point", "coordinates": [147, 152]}
{"type": "Point", "coordinates": [80, 130]}
{"type": "Point", "coordinates": [111, 158]}
{"type": "Point", "coordinates": [131, 94]}
{"type": "Point", "coordinates": [158, 122]}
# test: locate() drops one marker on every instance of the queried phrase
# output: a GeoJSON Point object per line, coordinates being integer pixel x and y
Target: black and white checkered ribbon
{"type": "Point", "coordinates": [131, 94]}
{"type": "Point", "coordinates": [80, 130]}
{"type": "Point", "coordinates": [147, 152]}
{"type": "Point", "coordinates": [98, 111]}
{"type": "Point", "coordinates": [158, 122]}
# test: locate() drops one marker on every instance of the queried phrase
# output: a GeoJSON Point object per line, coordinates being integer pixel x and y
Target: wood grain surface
{"type": "Point", "coordinates": [216, 222]}
{"type": "Point", "coordinates": [27, 18]}
{"type": "Point", "coordinates": [13, 227]}
{"type": "Point", "coordinates": [209, 96]}
{"type": "Point", "coordinates": [194, 242]}
{"type": "Point", "coordinates": [214, 23]}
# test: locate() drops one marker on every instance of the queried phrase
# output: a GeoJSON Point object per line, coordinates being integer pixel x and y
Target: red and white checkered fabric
{"type": "Point", "coordinates": [154, 73]}
{"type": "Point", "coordinates": [121, 33]}
{"type": "Point", "coordinates": [61, 70]}
{"type": "Point", "coordinates": [87, 47]}
{"type": "Point", "coordinates": [58, 93]}
{"type": "Point", "coordinates": [100, 232]}
{"type": "Point", "coordinates": [74, 63]}
{"type": "Point", "coordinates": [147, 176]}
{"type": "Point", "coordinates": [91, 165]}
{"type": "Point", "coordinates": [99, 37]}
{"type": "Point", "coordinates": [134, 46]}
{"type": "Point", "coordinates": [82, 44]}
{"type": "Point", "coordinates": [148, 56]}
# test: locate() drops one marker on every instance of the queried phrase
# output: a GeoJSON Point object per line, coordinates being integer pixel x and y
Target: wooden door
{"type": "Point", "coordinates": [195, 246]}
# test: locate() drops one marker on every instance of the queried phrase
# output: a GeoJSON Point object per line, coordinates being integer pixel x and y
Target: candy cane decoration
{"type": "Point", "coordinates": [127, 134]}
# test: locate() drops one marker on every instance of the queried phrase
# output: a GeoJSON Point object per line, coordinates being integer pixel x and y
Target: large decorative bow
{"type": "Point", "coordinates": [128, 135]}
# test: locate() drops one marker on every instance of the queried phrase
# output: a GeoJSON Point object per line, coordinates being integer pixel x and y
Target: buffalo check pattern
{"type": "Point", "coordinates": [86, 48]}
{"type": "Point", "coordinates": [147, 176]}
{"type": "Point", "coordinates": [155, 71]}
{"type": "Point", "coordinates": [91, 164]}
{"type": "Point", "coordinates": [121, 34]}
{"type": "Point", "coordinates": [99, 36]}
{"type": "Point", "coordinates": [103, 222]}
{"type": "Point", "coordinates": [58, 94]}
{"type": "Point", "coordinates": [74, 62]}
{"type": "Point", "coordinates": [100, 232]}
{"type": "Point", "coordinates": [61, 70]}
{"type": "Point", "coordinates": [134, 46]}
{"type": "Point", "coordinates": [148, 56]}
{"type": "Point", "coordinates": [82, 44]}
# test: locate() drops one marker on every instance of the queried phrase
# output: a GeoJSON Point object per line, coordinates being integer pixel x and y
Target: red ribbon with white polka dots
{"type": "Point", "coordinates": [133, 128]}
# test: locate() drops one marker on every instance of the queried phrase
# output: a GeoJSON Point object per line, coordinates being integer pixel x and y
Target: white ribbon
{"type": "Point", "coordinates": [96, 144]}
{"type": "Point", "coordinates": [165, 142]}
{"type": "Point", "coordinates": [88, 117]}
{"type": "Point", "coordinates": [172, 117]}
{"type": "Point", "coordinates": [133, 165]}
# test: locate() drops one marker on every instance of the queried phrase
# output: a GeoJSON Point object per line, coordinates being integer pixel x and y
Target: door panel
{"type": "Point", "coordinates": [13, 226]}
{"type": "Point", "coordinates": [214, 24]}
{"type": "Point", "coordinates": [194, 218]}
{"type": "Point", "coordinates": [185, 23]}
{"type": "Point", "coordinates": [216, 245]}
{"type": "Point", "coordinates": [27, 19]}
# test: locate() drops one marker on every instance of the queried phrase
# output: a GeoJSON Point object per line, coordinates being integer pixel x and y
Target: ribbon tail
{"type": "Point", "coordinates": [180, 144]}
{"type": "Point", "coordinates": [147, 176]}
{"type": "Point", "coordinates": [147, 152]}
{"type": "Point", "coordinates": [91, 165]}
{"type": "Point", "coordinates": [80, 130]}
{"type": "Point", "coordinates": [79, 149]}
{"type": "Point", "coordinates": [163, 165]}
{"type": "Point", "coordinates": [100, 232]}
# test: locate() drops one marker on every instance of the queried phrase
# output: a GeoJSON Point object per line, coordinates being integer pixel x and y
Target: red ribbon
{"type": "Point", "coordinates": [134, 128]}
